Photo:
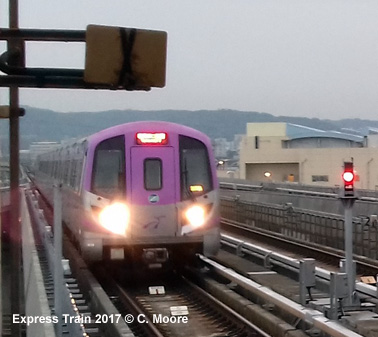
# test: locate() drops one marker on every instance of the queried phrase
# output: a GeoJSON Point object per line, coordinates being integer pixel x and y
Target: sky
{"type": "Point", "coordinates": [309, 58]}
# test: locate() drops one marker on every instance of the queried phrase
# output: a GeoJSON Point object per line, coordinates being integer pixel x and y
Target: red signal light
{"type": "Point", "coordinates": [348, 177]}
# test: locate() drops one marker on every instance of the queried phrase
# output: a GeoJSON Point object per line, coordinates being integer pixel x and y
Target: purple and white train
{"type": "Point", "coordinates": [139, 190]}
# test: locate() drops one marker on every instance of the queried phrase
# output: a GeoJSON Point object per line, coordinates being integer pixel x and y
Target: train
{"type": "Point", "coordinates": [137, 191]}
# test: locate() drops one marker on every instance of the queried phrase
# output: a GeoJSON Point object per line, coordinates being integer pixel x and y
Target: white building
{"type": "Point", "coordinates": [287, 152]}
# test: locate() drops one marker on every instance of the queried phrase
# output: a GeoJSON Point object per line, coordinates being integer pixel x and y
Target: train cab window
{"type": "Point", "coordinates": [152, 174]}
{"type": "Point", "coordinates": [194, 167]}
{"type": "Point", "coordinates": [108, 179]}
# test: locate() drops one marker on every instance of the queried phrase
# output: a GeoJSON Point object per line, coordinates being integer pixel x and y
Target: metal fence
{"type": "Point", "coordinates": [304, 225]}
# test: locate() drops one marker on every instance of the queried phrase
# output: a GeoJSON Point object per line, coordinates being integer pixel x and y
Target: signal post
{"type": "Point", "coordinates": [348, 197]}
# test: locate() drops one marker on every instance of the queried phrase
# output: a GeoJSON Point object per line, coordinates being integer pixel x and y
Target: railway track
{"type": "Point", "coordinates": [183, 308]}
{"type": "Point", "coordinates": [116, 294]}
{"type": "Point", "coordinates": [110, 297]}
{"type": "Point", "coordinates": [326, 255]}
{"type": "Point", "coordinates": [123, 296]}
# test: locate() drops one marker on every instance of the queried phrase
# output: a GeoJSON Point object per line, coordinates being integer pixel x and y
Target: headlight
{"type": "Point", "coordinates": [115, 218]}
{"type": "Point", "coordinates": [196, 216]}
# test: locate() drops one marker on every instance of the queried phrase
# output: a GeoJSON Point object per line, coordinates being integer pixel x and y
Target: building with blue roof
{"type": "Point", "coordinates": [285, 152]}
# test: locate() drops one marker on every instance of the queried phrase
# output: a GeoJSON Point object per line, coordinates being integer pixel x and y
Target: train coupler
{"type": "Point", "coordinates": [155, 255]}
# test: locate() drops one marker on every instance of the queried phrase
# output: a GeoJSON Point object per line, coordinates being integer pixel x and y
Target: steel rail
{"type": "Point", "coordinates": [285, 261]}
{"type": "Point", "coordinates": [313, 317]}
{"type": "Point", "coordinates": [138, 311]}
{"type": "Point", "coordinates": [218, 306]}
{"type": "Point", "coordinates": [227, 309]}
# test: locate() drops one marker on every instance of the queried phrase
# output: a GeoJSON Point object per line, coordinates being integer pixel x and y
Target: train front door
{"type": "Point", "coordinates": [153, 192]}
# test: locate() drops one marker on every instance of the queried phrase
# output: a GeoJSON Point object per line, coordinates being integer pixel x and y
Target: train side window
{"type": "Point", "coordinates": [59, 173]}
{"type": "Point", "coordinates": [194, 166]}
{"type": "Point", "coordinates": [108, 179]}
{"type": "Point", "coordinates": [73, 172]}
{"type": "Point", "coordinates": [152, 174]}
{"type": "Point", "coordinates": [66, 169]}
{"type": "Point", "coordinates": [55, 168]}
{"type": "Point", "coordinates": [79, 169]}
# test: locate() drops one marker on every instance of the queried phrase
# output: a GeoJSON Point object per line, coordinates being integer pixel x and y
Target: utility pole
{"type": "Point", "coordinates": [348, 198]}
{"type": "Point", "coordinates": [14, 165]}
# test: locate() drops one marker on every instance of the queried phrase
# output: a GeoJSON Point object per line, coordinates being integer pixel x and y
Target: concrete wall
{"type": "Point", "coordinates": [373, 141]}
{"type": "Point", "coordinates": [36, 303]}
{"type": "Point", "coordinates": [266, 129]}
{"type": "Point", "coordinates": [320, 143]}
{"type": "Point", "coordinates": [228, 174]}
{"type": "Point", "coordinates": [278, 171]}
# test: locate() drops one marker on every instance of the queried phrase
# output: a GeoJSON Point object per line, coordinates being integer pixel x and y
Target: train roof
{"type": "Point", "coordinates": [148, 126]}
{"type": "Point", "coordinates": [134, 127]}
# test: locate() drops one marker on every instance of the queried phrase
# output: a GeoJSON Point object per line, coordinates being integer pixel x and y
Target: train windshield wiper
{"type": "Point", "coordinates": [187, 190]}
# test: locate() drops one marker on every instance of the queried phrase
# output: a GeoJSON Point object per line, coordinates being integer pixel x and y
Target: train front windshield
{"type": "Point", "coordinates": [108, 178]}
{"type": "Point", "coordinates": [194, 167]}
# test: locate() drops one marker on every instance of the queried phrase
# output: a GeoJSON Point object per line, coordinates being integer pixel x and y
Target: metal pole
{"type": "Point", "coordinates": [348, 204]}
{"type": "Point", "coordinates": [333, 298]}
{"type": "Point", "coordinates": [1, 263]}
{"type": "Point", "coordinates": [376, 295]}
{"type": "Point", "coordinates": [58, 270]}
{"type": "Point", "coordinates": [306, 279]}
{"type": "Point", "coordinates": [15, 231]}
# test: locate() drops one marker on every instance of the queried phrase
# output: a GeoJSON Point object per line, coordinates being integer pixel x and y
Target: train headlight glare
{"type": "Point", "coordinates": [115, 218]}
{"type": "Point", "coordinates": [196, 216]}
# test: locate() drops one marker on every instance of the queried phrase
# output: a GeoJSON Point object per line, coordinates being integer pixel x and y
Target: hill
{"type": "Point", "coordinates": [47, 125]}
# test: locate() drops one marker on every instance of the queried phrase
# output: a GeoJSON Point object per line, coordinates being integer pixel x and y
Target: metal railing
{"type": "Point", "coordinates": [294, 188]}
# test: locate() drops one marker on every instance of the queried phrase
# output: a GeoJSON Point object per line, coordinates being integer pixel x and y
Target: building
{"type": "Point", "coordinates": [221, 147]}
{"type": "Point", "coordinates": [284, 152]}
